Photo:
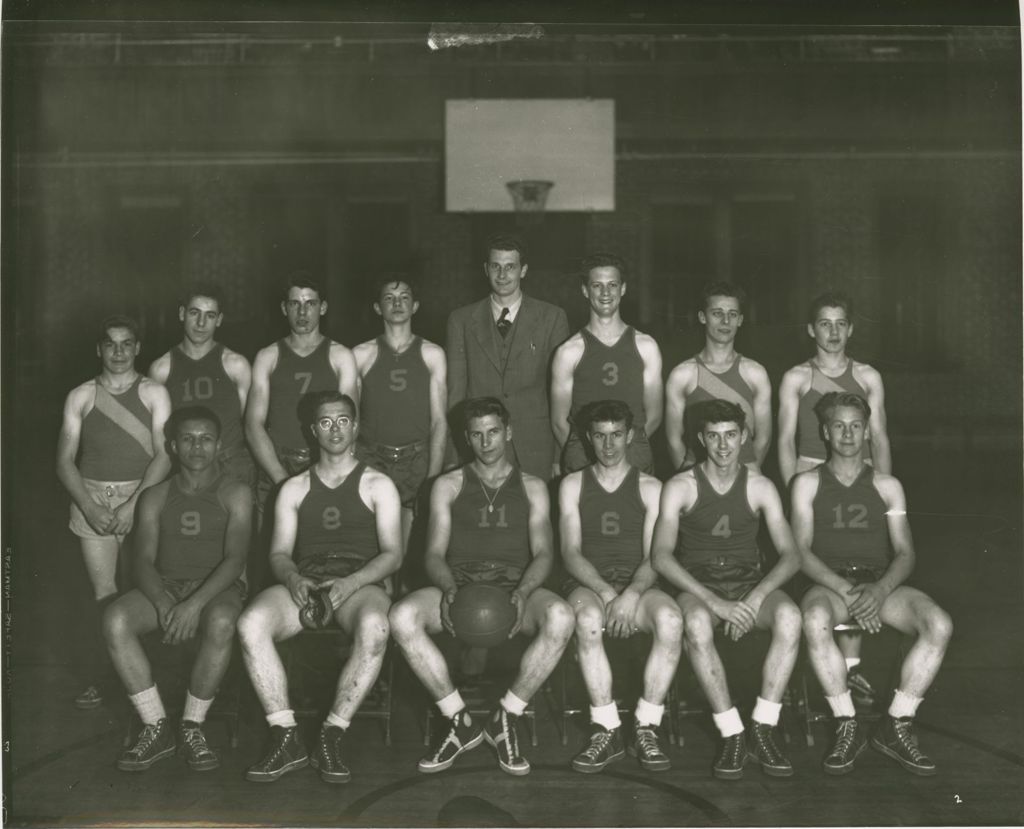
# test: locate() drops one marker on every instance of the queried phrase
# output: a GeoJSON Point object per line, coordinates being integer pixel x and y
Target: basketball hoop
{"type": "Point", "coordinates": [529, 197]}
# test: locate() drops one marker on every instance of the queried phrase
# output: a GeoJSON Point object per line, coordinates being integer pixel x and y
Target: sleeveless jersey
{"type": "Point", "coordinates": [850, 527]}
{"type": "Point", "coordinates": [610, 372]}
{"type": "Point", "coordinates": [730, 386]}
{"type": "Point", "coordinates": [292, 379]}
{"type": "Point", "coordinates": [204, 382]}
{"type": "Point", "coordinates": [336, 521]}
{"type": "Point", "coordinates": [192, 529]}
{"type": "Point", "coordinates": [494, 527]}
{"type": "Point", "coordinates": [612, 523]}
{"type": "Point", "coordinates": [116, 439]}
{"type": "Point", "coordinates": [810, 443]}
{"type": "Point", "coordinates": [394, 407]}
{"type": "Point", "coordinates": [719, 527]}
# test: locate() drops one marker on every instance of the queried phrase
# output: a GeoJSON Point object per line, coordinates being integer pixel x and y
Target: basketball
{"type": "Point", "coordinates": [482, 615]}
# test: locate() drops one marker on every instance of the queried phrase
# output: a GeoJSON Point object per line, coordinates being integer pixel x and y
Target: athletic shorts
{"type": "Point", "coordinates": [405, 465]}
{"type": "Point", "coordinates": [294, 461]}
{"type": "Point", "coordinates": [110, 494]}
{"type": "Point", "coordinates": [506, 576]}
{"type": "Point", "coordinates": [181, 589]}
{"type": "Point", "coordinates": [727, 580]}
{"type": "Point", "coordinates": [853, 573]}
{"type": "Point", "coordinates": [617, 577]}
{"type": "Point", "coordinates": [578, 453]}
{"type": "Point", "coordinates": [335, 566]}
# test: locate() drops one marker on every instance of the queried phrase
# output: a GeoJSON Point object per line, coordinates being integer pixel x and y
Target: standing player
{"type": "Point", "coordinates": [402, 418]}
{"type": "Point", "coordinates": [337, 525]}
{"type": "Point", "coordinates": [608, 511]}
{"type": "Point", "coordinates": [193, 538]}
{"type": "Point", "coordinates": [606, 359]}
{"type": "Point", "coordinates": [705, 544]}
{"type": "Point", "coordinates": [718, 372]}
{"type": "Point", "coordinates": [117, 421]}
{"type": "Point", "coordinates": [501, 347]}
{"type": "Point", "coordinates": [201, 371]}
{"type": "Point", "coordinates": [489, 522]}
{"type": "Point", "coordinates": [850, 523]}
{"type": "Point", "coordinates": [801, 447]}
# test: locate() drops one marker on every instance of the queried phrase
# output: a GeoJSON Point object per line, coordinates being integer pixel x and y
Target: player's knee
{"type": "Point", "coordinates": [938, 626]}
{"type": "Point", "coordinates": [252, 627]}
{"type": "Point", "coordinates": [787, 621]}
{"type": "Point", "coordinates": [115, 624]}
{"type": "Point", "coordinates": [817, 623]}
{"type": "Point", "coordinates": [698, 629]}
{"type": "Point", "coordinates": [219, 626]}
{"type": "Point", "coordinates": [668, 624]}
{"type": "Point", "coordinates": [559, 621]}
{"type": "Point", "coordinates": [589, 623]}
{"type": "Point", "coordinates": [373, 630]}
{"type": "Point", "coordinates": [403, 620]}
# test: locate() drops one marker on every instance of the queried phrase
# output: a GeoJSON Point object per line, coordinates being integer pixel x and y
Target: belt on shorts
{"type": "Point", "coordinates": [394, 453]}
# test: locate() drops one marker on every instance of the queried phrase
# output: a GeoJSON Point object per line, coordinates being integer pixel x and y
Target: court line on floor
{"type": "Point", "coordinates": [988, 748]}
{"type": "Point", "coordinates": [53, 756]}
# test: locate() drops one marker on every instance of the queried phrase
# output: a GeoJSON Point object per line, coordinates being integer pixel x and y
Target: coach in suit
{"type": "Point", "coordinates": [501, 347]}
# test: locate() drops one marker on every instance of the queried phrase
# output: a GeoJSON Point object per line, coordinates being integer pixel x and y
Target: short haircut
{"type": "Point", "coordinates": [179, 416]}
{"type": "Point", "coordinates": [720, 411]}
{"type": "Point", "coordinates": [207, 289]}
{"type": "Point", "coordinates": [116, 321]}
{"type": "Point", "coordinates": [830, 299]}
{"type": "Point", "coordinates": [389, 278]}
{"type": "Point", "coordinates": [603, 411]}
{"type": "Point", "coordinates": [723, 289]}
{"type": "Point", "coordinates": [828, 404]}
{"type": "Point", "coordinates": [505, 241]}
{"type": "Point", "coordinates": [477, 407]}
{"type": "Point", "coordinates": [302, 279]}
{"type": "Point", "coordinates": [322, 398]}
{"type": "Point", "coordinates": [602, 259]}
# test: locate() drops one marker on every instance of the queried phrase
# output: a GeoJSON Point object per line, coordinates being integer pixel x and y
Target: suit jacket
{"type": "Point", "coordinates": [519, 378]}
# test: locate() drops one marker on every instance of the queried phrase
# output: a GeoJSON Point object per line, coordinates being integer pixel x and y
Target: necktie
{"type": "Point", "coordinates": [504, 323]}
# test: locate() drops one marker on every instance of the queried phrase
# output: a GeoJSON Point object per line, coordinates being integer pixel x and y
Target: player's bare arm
{"type": "Point", "coordinates": [541, 547]}
{"type": "Point", "coordinates": [571, 539]}
{"type": "Point", "coordinates": [653, 388]}
{"type": "Point", "coordinates": [795, 383]}
{"type": "Point", "coordinates": [282, 543]}
{"type": "Point", "coordinates": [238, 370]}
{"type": "Point", "coordinates": [160, 369]}
{"type": "Point", "coordinates": [344, 365]}
{"type": "Point", "coordinates": [871, 380]}
{"type": "Point", "coordinates": [764, 498]}
{"type": "Point", "coordinates": [76, 406]}
{"type": "Point", "coordinates": [147, 534]}
{"type": "Point", "coordinates": [757, 378]}
{"type": "Point", "coordinates": [439, 530]}
{"type": "Point", "coordinates": [256, 409]}
{"type": "Point", "coordinates": [680, 384]}
{"type": "Point", "coordinates": [567, 357]}
{"type": "Point", "coordinates": [437, 368]}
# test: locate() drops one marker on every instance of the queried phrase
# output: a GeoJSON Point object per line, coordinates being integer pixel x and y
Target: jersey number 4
{"type": "Point", "coordinates": [722, 528]}
{"type": "Point", "coordinates": [856, 517]}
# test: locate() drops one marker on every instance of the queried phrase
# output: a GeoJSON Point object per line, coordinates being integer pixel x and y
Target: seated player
{"type": "Point", "coordinates": [705, 545]}
{"type": "Point", "coordinates": [851, 529]}
{"type": "Point", "coordinates": [337, 528]}
{"type": "Point", "coordinates": [192, 540]}
{"type": "Point", "coordinates": [608, 512]}
{"type": "Point", "coordinates": [489, 522]}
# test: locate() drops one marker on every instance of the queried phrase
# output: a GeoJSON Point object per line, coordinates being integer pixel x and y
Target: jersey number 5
{"type": "Point", "coordinates": [398, 381]}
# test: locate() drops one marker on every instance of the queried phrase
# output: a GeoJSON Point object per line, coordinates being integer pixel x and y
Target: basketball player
{"type": "Point", "coordinates": [117, 420]}
{"type": "Point", "coordinates": [851, 528]}
{"type": "Point", "coordinates": [403, 398]}
{"type": "Point", "coordinates": [606, 359]}
{"type": "Point", "coordinates": [337, 525]}
{"type": "Point", "coordinates": [201, 371]}
{"type": "Point", "coordinates": [705, 545]}
{"type": "Point", "coordinates": [489, 522]}
{"type": "Point", "coordinates": [830, 325]}
{"type": "Point", "coordinates": [718, 372]}
{"type": "Point", "coordinates": [607, 514]}
{"type": "Point", "coordinates": [193, 539]}
{"type": "Point", "coordinates": [501, 346]}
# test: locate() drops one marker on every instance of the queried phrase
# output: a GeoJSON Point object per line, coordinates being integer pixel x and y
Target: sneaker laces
{"type": "Point", "coordinates": [647, 741]}
{"type": "Point", "coordinates": [907, 739]}
{"type": "Point", "coordinates": [733, 747]}
{"type": "Point", "coordinates": [277, 750]}
{"type": "Point", "coordinates": [845, 736]}
{"type": "Point", "coordinates": [508, 731]}
{"type": "Point", "coordinates": [148, 736]}
{"type": "Point", "coordinates": [765, 739]}
{"type": "Point", "coordinates": [598, 742]}
{"type": "Point", "coordinates": [195, 740]}
{"type": "Point", "coordinates": [450, 737]}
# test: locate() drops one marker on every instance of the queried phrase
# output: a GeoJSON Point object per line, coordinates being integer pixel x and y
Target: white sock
{"type": "Point", "coordinates": [728, 722]}
{"type": "Point", "coordinates": [647, 713]}
{"type": "Point", "coordinates": [903, 705]}
{"type": "Point", "coordinates": [149, 705]}
{"type": "Point", "coordinates": [284, 718]}
{"type": "Point", "coordinates": [852, 662]}
{"type": "Point", "coordinates": [606, 716]}
{"type": "Point", "coordinates": [841, 705]}
{"type": "Point", "coordinates": [451, 705]}
{"type": "Point", "coordinates": [340, 722]}
{"type": "Point", "coordinates": [195, 708]}
{"type": "Point", "coordinates": [511, 703]}
{"type": "Point", "coordinates": [766, 712]}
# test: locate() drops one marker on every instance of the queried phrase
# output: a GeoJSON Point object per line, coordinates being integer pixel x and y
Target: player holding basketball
{"type": "Point", "coordinates": [403, 397]}
{"type": "Point", "coordinates": [705, 544]}
{"type": "Point", "coordinates": [201, 371]}
{"type": "Point", "coordinates": [718, 372]}
{"type": "Point", "coordinates": [337, 525]}
{"type": "Point", "coordinates": [608, 511]}
{"type": "Point", "coordinates": [851, 528]}
{"type": "Point", "coordinates": [117, 421]}
{"type": "Point", "coordinates": [606, 359]}
{"type": "Point", "coordinates": [830, 325]}
{"type": "Point", "coordinates": [193, 539]}
{"type": "Point", "coordinates": [489, 522]}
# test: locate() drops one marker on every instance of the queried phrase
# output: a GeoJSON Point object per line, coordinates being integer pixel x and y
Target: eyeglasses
{"type": "Point", "coordinates": [327, 423]}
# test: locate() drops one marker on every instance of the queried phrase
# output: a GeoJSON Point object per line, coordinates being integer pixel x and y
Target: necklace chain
{"type": "Point", "coordinates": [490, 499]}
